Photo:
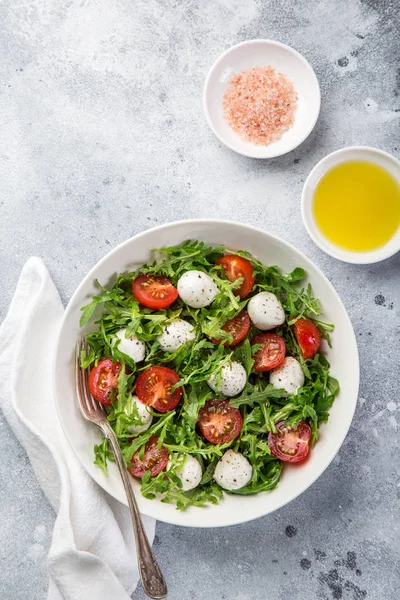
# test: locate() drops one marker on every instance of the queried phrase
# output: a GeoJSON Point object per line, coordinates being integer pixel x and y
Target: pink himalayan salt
{"type": "Point", "coordinates": [260, 105]}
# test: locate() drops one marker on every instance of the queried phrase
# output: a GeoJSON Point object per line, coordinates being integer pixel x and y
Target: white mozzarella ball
{"type": "Point", "coordinates": [266, 311]}
{"type": "Point", "coordinates": [142, 412]}
{"type": "Point", "coordinates": [233, 471]}
{"type": "Point", "coordinates": [190, 473]}
{"type": "Point", "coordinates": [288, 376]}
{"type": "Point", "coordinates": [131, 346]}
{"type": "Point", "coordinates": [175, 334]}
{"type": "Point", "coordinates": [230, 381]}
{"type": "Point", "coordinates": [197, 289]}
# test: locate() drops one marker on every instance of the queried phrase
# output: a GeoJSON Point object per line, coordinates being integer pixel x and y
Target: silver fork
{"type": "Point", "coordinates": [150, 574]}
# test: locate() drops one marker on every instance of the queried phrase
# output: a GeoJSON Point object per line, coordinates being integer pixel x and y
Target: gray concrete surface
{"type": "Point", "coordinates": [102, 136]}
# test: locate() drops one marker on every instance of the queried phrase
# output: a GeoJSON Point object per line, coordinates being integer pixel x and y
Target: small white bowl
{"type": "Point", "coordinates": [363, 153]}
{"type": "Point", "coordinates": [284, 59]}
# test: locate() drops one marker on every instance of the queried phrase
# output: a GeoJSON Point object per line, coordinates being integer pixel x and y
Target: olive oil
{"type": "Point", "coordinates": [356, 206]}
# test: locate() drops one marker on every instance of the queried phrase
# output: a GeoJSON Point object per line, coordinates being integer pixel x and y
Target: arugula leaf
{"type": "Point", "coordinates": [323, 404]}
{"type": "Point", "coordinates": [88, 310]}
{"type": "Point", "coordinates": [208, 473]}
{"type": "Point", "coordinates": [257, 396]}
{"type": "Point", "coordinates": [102, 454]}
{"type": "Point", "coordinates": [86, 359]}
{"type": "Point", "coordinates": [298, 274]}
{"type": "Point", "coordinates": [245, 356]}
{"type": "Point", "coordinates": [333, 385]}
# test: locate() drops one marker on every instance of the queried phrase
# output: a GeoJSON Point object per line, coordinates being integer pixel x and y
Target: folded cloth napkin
{"type": "Point", "coordinates": [92, 555]}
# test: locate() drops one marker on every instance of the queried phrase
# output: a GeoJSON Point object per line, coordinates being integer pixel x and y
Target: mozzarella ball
{"type": "Point", "coordinates": [197, 289]}
{"type": "Point", "coordinates": [143, 413]}
{"type": "Point", "coordinates": [175, 334]}
{"type": "Point", "coordinates": [289, 376]}
{"type": "Point", "coordinates": [266, 311]}
{"type": "Point", "coordinates": [190, 473]}
{"type": "Point", "coordinates": [230, 381]}
{"type": "Point", "coordinates": [130, 346]}
{"type": "Point", "coordinates": [233, 471]}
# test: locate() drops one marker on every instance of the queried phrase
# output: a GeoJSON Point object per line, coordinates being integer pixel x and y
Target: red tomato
{"type": "Point", "coordinates": [102, 379]}
{"type": "Point", "coordinates": [153, 388]}
{"type": "Point", "coordinates": [155, 459]}
{"type": "Point", "coordinates": [154, 292]}
{"type": "Point", "coordinates": [308, 337]}
{"type": "Point", "coordinates": [290, 445]}
{"type": "Point", "coordinates": [271, 354]}
{"type": "Point", "coordinates": [219, 422]}
{"type": "Point", "coordinates": [236, 267]}
{"type": "Point", "coordinates": [238, 328]}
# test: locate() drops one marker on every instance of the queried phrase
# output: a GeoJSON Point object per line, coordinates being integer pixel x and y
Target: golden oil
{"type": "Point", "coordinates": [356, 205]}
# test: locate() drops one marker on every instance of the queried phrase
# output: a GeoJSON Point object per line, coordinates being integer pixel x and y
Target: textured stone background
{"type": "Point", "coordinates": [102, 136]}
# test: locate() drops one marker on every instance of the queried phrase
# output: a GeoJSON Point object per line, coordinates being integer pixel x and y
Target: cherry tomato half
{"type": "Point", "coordinates": [271, 354]}
{"type": "Point", "coordinates": [236, 267]}
{"type": "Point", "coordinates": [153, 388]}
{"type": "Point", "coordinates": [155, 459]}
{"type": "Point", "coordinates": [219, 422]}
{"type": "Point", "coordinates": [308, 337]}
{"type": "Point", "coordinates": [102, 379]}
{"type": "Point", "coordinates": [290, 445]}
{"type": "Point", "coordinates": [154, 292]}
{"type": "Point", "coordinates": [238, 328]}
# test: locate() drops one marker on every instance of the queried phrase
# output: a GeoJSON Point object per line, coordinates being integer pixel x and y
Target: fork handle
{"type": "Point", "coordinates": [152, 579]}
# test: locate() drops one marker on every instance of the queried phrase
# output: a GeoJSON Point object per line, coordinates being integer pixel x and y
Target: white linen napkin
{"type": "Point", "coordinates": [92, 555]}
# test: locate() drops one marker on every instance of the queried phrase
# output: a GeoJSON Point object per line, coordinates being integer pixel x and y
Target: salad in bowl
{"type": "Point", "coordinates": [212, 369]}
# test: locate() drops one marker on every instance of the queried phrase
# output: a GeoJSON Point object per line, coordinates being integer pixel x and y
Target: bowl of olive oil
{"type": "Point", "coordinates": [351, 205]}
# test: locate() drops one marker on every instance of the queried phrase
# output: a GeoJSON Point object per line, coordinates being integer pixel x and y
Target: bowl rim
{"type": "Point", "coordinates": [197, 222]}
{"type": "Point", "coordinates": [292, 51]}
{"type": "Point", "coordinates": [347, 256]}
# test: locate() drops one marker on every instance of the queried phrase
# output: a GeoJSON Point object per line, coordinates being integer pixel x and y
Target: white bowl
{"type": "Point", "coordinates": [343, 356]}
{"type": "Point", "coordinates": [288, 61]}
{"type": "Point", "coordinates": [363, 153]}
